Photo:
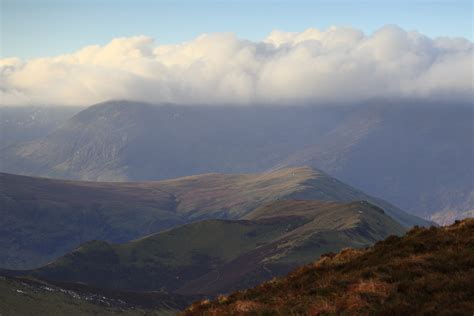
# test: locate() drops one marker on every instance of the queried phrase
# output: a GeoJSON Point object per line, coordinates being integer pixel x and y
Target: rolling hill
{"type": "Point", "coordinates": [427, 271]}
{"type": "Point", "coordinates": [216, 256]}
{"type": "Point", "coordinates": [386, 148]}
{"type": "Point", "coordinates": [43, 219]}
{"type": "Point", "coordinates": [326, 227]}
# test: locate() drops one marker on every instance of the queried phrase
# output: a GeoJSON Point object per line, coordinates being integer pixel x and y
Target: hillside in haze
{"type": "Point", "coordinates": [428, 271]}
{"type": "Point", "coordinates": [45, 218]}
{"type": "Point", "coordinates": [27, 123]}
{"type": "Point", "coordinates": [414, 154]}
{"type": "Point", "coordinates": [217, 256]}
{"type": "Point", "coordinates": [417, 156]}
{"type": "Point", "coordinates": [116, 141]}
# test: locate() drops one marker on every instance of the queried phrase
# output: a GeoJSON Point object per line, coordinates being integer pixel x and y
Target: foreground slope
{"type": "Point", "coordinates": [428, 271]}
{"type": "Point", "coordinates": [41, 219]}
{"type": "Point", "coordinates": [27, 296]}
{"type": "Point", "coordinates": [215, 256]}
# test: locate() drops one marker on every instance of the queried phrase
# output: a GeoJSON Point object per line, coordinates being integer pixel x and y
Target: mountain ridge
{"type": "Point", "coordinates": [182, 258]}
{"type": "Point", "coordinates": [118, 212]}
{"type": "Point", "coordinates": [387, 148]}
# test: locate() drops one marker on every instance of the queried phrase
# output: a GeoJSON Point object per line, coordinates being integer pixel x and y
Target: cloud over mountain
{"type": "Point", "coordinates": [336, 65]}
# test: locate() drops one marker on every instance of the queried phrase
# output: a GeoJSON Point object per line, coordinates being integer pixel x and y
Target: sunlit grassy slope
{"type": "Point", "coordinates": [429, 271]}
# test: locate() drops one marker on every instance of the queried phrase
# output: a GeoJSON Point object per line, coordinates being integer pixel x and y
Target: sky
{"type": "Point", "coordinates": [38, 28]}
{"type": "Point", "coordinates": [81, 52]}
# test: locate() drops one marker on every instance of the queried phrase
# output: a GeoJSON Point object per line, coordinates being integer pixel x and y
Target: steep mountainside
{"type": "Point", "coordinates": [428, 271]}
{"type": "Point", "coordinates": [116, 141]}
{"type": "Point", "coordinates": [417, 156]}
{"type": "Point", "coordinates": [387, 148]}
{"type": "Point", "coordinates": [42, 219]}
{"type": "Point", "coordinates": [215, 256]}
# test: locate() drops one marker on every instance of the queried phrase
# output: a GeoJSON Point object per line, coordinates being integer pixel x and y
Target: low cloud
{"type": "Point", "coordinates": [336, 65]}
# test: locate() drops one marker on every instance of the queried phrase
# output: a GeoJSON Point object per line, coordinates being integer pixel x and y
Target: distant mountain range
{"type": "Point", "coordinates": [414, 154]}
{"type": "Point", "coordinates": [27, 123]}
{"type": "Point", "coordinates": [428, 271]}
{"type": "Point", "coordinates": [43, 219]}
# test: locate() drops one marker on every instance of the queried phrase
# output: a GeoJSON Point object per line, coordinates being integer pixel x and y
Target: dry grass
{"type": "Point", "coordinates": [427, 271]}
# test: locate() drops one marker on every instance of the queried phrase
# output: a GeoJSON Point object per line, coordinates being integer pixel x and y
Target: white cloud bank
{"type": "Point", "coordinates": [336, 65]}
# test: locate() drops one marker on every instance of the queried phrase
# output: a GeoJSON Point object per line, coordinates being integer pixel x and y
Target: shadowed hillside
{"type": "Point", "coordinates": [215, 256]}
{"type": "Point", "coordinates": [428, 271]}
{"type": "Point", "coordinates": [418, 156]}
{"type": "Point", "coordinates": [44, 218]}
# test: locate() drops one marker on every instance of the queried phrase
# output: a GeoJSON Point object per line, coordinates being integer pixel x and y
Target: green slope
{"type": "Point", "coordinates": [357, 224]}
{"type": "Point", "coordinates": [329, 227]}
{"type": "Point", "coordinates": [186, 259]}
{"type": "Point", "coordinates": [164, 260]}
{"type": "Point", "coordinates": [429, 271]}
{"type": "Point", "coordinates": [44, 218]}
